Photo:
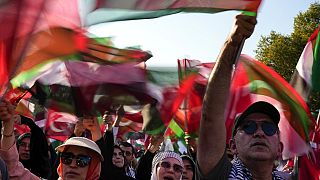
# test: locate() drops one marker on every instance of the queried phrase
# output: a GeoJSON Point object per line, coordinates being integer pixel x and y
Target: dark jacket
{"type": "Point", "coordinates": [108, 170]}
{"type": "Point", "coordinates": [144, 168]}
{"type": "Point", "coordinates": [39, 163]}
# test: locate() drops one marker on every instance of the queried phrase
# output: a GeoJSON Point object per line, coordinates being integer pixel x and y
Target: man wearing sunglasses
{"type": "Point", "coordinates": [255, 139]}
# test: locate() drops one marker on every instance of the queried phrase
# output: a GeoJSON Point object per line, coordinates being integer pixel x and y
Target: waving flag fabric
{"type": "Point", "coordinates": [28, 30]}
{"type": "Point", "coordinates": [252, 79]}
{"type": "Point", "coordinates": [20, 19]}
{"type": "Point", "coordinates": [307, 74]}
{"type": "Point", "coordinates": [189, 114]}
{"type": "Point", "coordinates": [59, 125]}
{"type": "Point", "coordinates": [79, 87]}
{"type": "Point", "coordinates": [118, 10]}
{"type": "Point", "coordinates": [157, 116]}
{"type": "Point", "coordinates": [307, 170]}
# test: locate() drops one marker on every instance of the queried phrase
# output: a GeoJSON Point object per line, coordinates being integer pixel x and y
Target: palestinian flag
{"type": "Point", "coordinates": [254, 81]}
{"type": "Point", "coordinates": [28, 28]}
{"type": "Point", "coordinates": [157, 115]}
{"type": "Point", "coordinates": [78, 88]}
{"type": "Point", "coordinates": [307, 74]}
{"type": "Point", "coordinates": [119, 10]}
{"type": "Point", "coordinates": [97, 50]}
{"type": "Point", "coordinates": [189, 113]}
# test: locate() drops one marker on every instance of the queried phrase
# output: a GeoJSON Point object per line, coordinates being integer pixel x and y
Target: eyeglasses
{"type": "Point", "coordinates": [177, 168]}
{"type": "Point", "coordinates": [268, 128]}
{"type": "Point", "coordinates": [24, 144]}
{"type": "Point", "coordinates": [81, 160]}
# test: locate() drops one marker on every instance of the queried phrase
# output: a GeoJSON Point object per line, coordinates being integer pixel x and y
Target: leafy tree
{"type": "Point", "coordinates": [282, 52]}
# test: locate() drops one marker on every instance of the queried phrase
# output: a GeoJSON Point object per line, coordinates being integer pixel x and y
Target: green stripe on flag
{"type": "Point", "coordinates": [257, 85]}
{"type": "Point", "coordinates": [249, 13]}
{"type": "Point", "coordinates": [176, 129]}
{"type": "Point", "coordinates": [315, 77]}
{"type": "Point", "coordinates": [28, 75]}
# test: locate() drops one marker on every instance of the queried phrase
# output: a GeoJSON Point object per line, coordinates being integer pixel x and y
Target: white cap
{"type": "Point", "coordinates": [81, 142]}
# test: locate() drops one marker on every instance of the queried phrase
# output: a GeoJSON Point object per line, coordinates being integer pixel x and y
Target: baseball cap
{"type": "Point", "coordinates": [81, 142]}
{"type": "Point", "coordinates": [257, 107]}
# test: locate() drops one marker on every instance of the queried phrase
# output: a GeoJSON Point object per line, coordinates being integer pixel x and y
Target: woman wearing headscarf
{"type": "Point", "coordinates": [87, 156]}
{"type": "Point", "coordinates": [189, 168]}
{"type": "Point", "coordinates": [167, 165]}
{"type": "Point", "coordinates": [80, 157]}
{"type": "Point", "coordinates": [33, 148]}
{"type": "Point", "coordinates": [144, 167]}
{"type": "Point", "coordinates": [113, 166]}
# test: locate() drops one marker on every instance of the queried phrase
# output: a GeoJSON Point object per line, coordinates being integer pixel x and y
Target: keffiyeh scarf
{"type": "Point", "coordinates": [240, 172]}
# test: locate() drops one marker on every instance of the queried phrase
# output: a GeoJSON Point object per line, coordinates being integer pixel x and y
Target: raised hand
{"type": "Point", "coordinates": [243, 28]}
{"type": "Point", "coordinates": [92, 124]}
{"type": "Point", "coordinates": [78, 129]}
{"type": "Point", "coordinates": [7, 111]}
{"type": "Point", "coordinates": [155, 143]}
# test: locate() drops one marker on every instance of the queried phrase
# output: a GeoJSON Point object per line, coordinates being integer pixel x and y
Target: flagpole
{"type": "Point", "coordinates": [185, 103]}
{"type": "Point", "coordinates": [239, 50]}
{"type": "Point", "coordinates": [315, 128]}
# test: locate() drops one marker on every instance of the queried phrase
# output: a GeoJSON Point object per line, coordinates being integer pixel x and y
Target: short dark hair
{"type": "Point", "coordinates": [126, 144]}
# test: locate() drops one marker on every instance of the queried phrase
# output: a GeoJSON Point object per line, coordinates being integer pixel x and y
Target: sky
{"type": "Point", "coordinates": [196, 35]}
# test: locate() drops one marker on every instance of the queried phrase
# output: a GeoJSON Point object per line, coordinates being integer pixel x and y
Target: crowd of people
{"type": "Point", "coordinates": [255, 144]}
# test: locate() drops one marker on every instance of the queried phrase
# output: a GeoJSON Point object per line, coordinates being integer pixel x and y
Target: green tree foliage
{"type": "Point", "coordinates": [282, 52]}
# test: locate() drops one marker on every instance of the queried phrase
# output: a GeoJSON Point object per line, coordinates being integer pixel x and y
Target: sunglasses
{"type": "Point", "coordinates": [177, 168]}
{"type": "Point", "coordinates": [268, 128]}
{"type": "Point", "coordinates": [81, 160]}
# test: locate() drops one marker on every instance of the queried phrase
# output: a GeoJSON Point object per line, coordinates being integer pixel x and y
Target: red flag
{"type": "Point", "coordinates": [25, 23]}
{"type": "Point", "coordinates": [253, 80]}
{"type": "Point", "coordinates": [59, 125]}
{"type": "Point", "coordinates": [307, 169]}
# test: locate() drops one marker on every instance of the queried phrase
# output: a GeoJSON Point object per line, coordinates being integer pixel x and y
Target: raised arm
{"type": "Point", "coordinates": [212, 136]}
{"type": "Point", "coordinates": [144, 168]}
{"type": "Point", "coordinates": [7, 114]}
{"type": "Point", "coordinates": [8, 150]}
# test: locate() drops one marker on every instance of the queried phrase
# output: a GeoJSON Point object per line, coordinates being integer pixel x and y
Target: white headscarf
{"type": "Point", "coordinates": [161, 156]}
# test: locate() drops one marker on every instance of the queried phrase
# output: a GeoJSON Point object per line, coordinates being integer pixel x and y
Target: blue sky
{"type": "Point", "coordinates": [198, 36]}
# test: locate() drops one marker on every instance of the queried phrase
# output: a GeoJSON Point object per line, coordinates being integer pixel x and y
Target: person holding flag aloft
{"type": "Point", "coordinates": [255, 139]}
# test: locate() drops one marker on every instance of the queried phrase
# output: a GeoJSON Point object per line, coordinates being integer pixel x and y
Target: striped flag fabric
{"type": "Point", "coordinates": [189, 114]}
{"type": "Point", "coordinates": [254, 81]}
{"type": "Point", "coordinates": [119, 10]}
{"type": "Point", "coordinates": [307, 74]}
{"type": "Point", "coordinates": [77, 87]}
{"type": "Point", "coordinates": [26, 22]}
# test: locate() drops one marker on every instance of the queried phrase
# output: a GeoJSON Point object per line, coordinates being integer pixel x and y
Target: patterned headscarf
{"type": "Point", "coordinates": [161, 156]}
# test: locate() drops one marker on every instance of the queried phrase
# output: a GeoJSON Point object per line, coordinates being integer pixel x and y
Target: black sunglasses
{"type": "Point", "coordinates": [268, 128]}
{"type": "Point", "coordinates": [81, 160]}
{"type": "Point", "coordinates": [177, 168]}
